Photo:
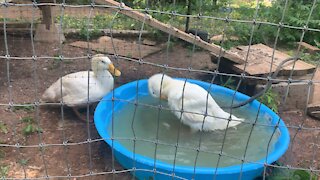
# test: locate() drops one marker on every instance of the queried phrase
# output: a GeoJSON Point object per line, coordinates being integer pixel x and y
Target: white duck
{"type": "Point", "coordinates": [194, 100]}
{"type": "Point", "coordinates": [75, 85]}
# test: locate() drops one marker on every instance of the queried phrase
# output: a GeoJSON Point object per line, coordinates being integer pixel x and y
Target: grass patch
{"type": "Point", "coordinates": [30, 127]}
{"type": "Point", "coordinates": [271, 99]}
{"type": "Point", "coordinates": [3, 128]}
{"type": "Point", "coordinates": [284, 174]}
{"type": "Point", "coordinates": [23, 162]}
{"type": "Point", "coordinates": [4, 170]}
{"type": "Point", "coordinates": [27, 108]}
{"type": "Point", "coordinates": [311, 58]}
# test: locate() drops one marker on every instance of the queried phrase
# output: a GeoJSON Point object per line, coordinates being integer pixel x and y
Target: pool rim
{"type": "Point", "coordinates": [284, 138]}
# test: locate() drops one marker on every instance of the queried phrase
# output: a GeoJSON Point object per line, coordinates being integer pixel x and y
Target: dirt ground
{"type": "Point", "coordinates": [29, 79]}
{"type": "Point", "coordinates": [24, 90]}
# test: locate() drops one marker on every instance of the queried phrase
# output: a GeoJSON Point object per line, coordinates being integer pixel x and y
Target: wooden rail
{"type": "Point", "coordinates": [172, 30]}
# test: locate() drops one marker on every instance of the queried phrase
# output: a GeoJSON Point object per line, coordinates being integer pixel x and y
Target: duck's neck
{"type": "Point", "coordinates": [167, 85]}
{"type": "Point", "coordinates": [102, 75]}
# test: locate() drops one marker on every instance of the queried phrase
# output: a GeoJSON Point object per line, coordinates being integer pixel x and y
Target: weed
{"type": "Point", "coordinates": [283, 174]}
{"type": "Point", "coordinates": [4, 170]}
{"type": "Point", "coordinates": [229, 83]}
{"type": "Point", "coordinates": [27, 108]}
{"type": "Point", "coordinates": [317, 43]}
{"type": "Point", "coordinates": [3, 128]}
{"type": "Point", "coordinates": [311, 58]}
{"type": "Point", "coordinates": [28, 120]}
{"type": "Point", "coordinates": [57, 62]}
{"type": "Point", "coordinates": [2, 154]}
{"type": "Point", "coordinates": [92, 29]}
{"type": "Point", "coordinates": [23, 162]}
{"type": "Point", "coordinates": [30, 127]}
{"type": "Point", "coordinates": [271, 99]}
{"type": "Point", "coordinates": [129, 55]}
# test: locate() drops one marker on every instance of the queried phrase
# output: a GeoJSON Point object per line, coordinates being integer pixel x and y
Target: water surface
{"type": "Point", "coordinates": [142, 122]}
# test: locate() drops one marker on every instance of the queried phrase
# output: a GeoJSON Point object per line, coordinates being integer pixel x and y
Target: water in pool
{"type": "Point", "coordinates": [145, 127]}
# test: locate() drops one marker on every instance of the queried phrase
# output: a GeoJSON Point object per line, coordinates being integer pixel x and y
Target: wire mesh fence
{"type": "Point", "coordinates": [45, 140]}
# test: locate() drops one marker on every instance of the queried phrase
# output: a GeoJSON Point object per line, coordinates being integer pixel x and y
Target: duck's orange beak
{"type": "Point", "coordinates": [114, 71]}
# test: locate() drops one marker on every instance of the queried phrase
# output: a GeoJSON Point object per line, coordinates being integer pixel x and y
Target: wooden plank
{"type": "Point", "coordinates": [123, 48]}
{"type": "Point", "coordinates": [311, 49]}
{"type": "Point", "coordinates": [300, 68]}
{"type": "Point", "coordinates": [260, 59]}
{"type": "Point", "coordinates": [171, 30]}
{"type": "Point", "coordinates": [313, 110]}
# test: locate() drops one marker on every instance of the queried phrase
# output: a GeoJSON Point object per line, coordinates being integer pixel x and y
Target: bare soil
{"type": "Point", "coordinates": [28, 80]}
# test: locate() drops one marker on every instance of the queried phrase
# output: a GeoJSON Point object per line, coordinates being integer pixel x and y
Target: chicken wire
{"type": "Point", "coordinates": [141, 62]}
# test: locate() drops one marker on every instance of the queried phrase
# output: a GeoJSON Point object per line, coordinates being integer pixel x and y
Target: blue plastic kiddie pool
{"type": "Point", "coordinates": [144, 166]}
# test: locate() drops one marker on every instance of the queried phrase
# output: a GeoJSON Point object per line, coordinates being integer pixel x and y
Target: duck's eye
{"type": "Point", "coordinates": [153, 92]}
{"type": "Point", "coordinates": [103, 62]}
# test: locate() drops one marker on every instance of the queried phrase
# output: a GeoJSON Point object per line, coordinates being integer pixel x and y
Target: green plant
{"type": "Point", "coordinates": [3, 128]}
{"type": "Point", "coordinates": [97, 23]}
{"type": "Point", "coordinates": [229, 83]}
{"type": "Point", "coordinates": [284, 174]}
{"type": "Point", "coordinates": [271, 99]}
{"type": "Point", "coordinates": [28, 120]}
{"type": "Point", "coordinates": [296, 15]}
{"type": "Point", "coordinates": [4, 170]}
{"type": "Point", "coordinates": [2, 154]}
{"type": "Point", "coordinates": [27, 108]}
{"type": "Point", "coordinates": [23, 162]}
{"type": "Point", "coordinates": [311, 58]}
{"type": "Point", "coordinates": [30, 127]}
{"type": "Point", "coordinates": [317, 43]}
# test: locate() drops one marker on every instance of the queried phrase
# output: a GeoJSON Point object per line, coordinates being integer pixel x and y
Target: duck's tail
{"type": "Point", "coordinates": [235, 121]}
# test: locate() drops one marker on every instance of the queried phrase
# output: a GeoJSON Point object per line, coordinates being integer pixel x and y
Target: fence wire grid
{"type": "Point", "coordinates": [33, 156]}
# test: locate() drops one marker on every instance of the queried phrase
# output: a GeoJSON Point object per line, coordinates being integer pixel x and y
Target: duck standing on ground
{"type": "Point", "coordinates": [73, 90]}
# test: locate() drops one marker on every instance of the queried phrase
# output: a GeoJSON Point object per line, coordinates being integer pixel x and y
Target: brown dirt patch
{"type": "Point", "coordinates": [26, 86]}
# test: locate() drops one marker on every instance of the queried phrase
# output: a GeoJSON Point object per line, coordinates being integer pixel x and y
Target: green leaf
{"type": "Point", "coordinates": [302, 174]}
{"type": "Point", "coordinates": [2, 154]}
{"type": "Point", "coordinates": [38, 129]}
{"type": "Point", "coordinates": [269, 99]}
{"type": "Point", "coordinates": [4, 170]}
{"type": "Point", "coordinates": [23, 162]}
{"type": "Point", "coordinates": [284, 174]}
{"type": "Point", "coordinates": [3, 128]}
{"type": "Point", "coordinates": [27, 108]}
{"type": "Point", "coordinates": [29, 129]}
{"type": "Point", "coordinates": [27, 119]}
{"type": "Point", "coordinates": [317, 43]}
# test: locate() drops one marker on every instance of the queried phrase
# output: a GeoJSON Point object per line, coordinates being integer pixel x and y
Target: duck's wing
{"type": "Point", "coordinates": [53, 93]}
{"type": "Point", "coordinates": [74, 89]}
{"type": "Point", "coordinates": [193, 102]}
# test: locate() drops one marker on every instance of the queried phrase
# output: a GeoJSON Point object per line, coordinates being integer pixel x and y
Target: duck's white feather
{"type": "Point", "coordinates": [196, 100]}
{"type": "Point", "coordinates": [191, 102]}
{"type": "Point", "coordinates": [75, 88]}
